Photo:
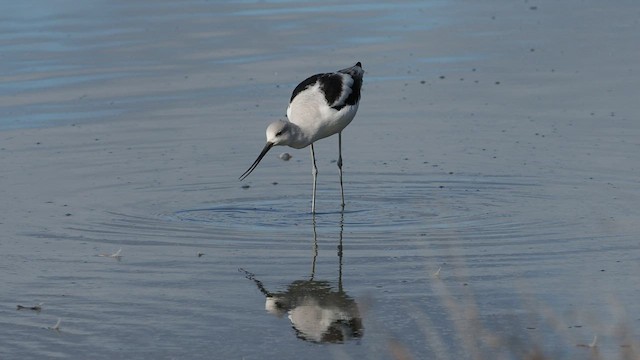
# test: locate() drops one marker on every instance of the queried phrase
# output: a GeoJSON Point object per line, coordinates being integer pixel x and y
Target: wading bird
{"type": "Point", "coordinates": [320, 106]}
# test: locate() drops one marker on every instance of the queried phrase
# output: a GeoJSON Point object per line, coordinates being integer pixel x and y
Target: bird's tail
{"type": "Point", "coordinates": [355, 70]}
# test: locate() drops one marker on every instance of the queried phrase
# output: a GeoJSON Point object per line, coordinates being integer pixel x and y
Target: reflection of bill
{"type": "Point", "coordinates": [317, 311]}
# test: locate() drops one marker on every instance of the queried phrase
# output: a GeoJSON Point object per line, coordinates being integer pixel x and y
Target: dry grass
{"type": "Point", "coordinates": [474, 340]}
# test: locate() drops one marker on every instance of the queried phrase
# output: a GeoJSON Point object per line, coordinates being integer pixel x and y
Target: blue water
{"type": "Point", "coordinates": [490, 180]}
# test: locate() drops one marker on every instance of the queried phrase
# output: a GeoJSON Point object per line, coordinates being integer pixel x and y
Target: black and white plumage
{"type": "Point", "coordinates": [320, 106]}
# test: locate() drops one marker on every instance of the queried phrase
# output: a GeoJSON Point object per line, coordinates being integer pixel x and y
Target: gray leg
{"type": "Point", "coordinates": [315, 247]}
{"type": "Point", "coordinates": [314, 171]}
{"type": "Point", "coordinates": [340, 166]}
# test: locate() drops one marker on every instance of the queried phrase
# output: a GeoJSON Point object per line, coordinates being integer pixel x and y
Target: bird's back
{"type": "Point", "coordinates": [324, 104]}
{"type": "Point", "coordinates": [332, 86]}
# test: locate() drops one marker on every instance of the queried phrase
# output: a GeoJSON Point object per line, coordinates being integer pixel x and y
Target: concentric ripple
{"type": "Point", "coordinates": [406, 205]}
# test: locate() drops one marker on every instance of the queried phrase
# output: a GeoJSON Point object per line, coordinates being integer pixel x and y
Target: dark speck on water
{"type": "Point", "coordinates": [36, 308]}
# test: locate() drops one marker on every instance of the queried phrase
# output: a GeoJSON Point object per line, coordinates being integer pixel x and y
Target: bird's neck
{"type": "Point", "coordinates": [298, 139]}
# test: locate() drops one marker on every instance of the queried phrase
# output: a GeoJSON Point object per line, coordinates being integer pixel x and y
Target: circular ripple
{"type": "Point", "coordinates": [277, 214]}
{"type": "Point", "coordinates": [408, 206]}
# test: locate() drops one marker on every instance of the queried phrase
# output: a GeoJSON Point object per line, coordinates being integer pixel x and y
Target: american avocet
{"type": "Point", "coordinates": [320, 106]}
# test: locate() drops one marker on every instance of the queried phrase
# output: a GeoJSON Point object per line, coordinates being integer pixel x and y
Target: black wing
{"type": "Point", "coordinates": [333, 86]}
{"type": "Point", "coordinates": [305, 84]}
{"type": "Point", "coordinates": [355, 72]}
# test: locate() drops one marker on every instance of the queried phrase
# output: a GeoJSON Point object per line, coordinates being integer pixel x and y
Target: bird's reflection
{"type": "Point", "coordinates": [317, 310]}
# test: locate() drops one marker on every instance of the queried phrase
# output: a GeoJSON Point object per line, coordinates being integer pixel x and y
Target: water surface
{"type": "Point", "coordinates": [491, 181]}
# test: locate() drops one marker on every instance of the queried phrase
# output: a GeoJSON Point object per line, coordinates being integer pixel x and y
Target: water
{"type": "Point", "coordinates": [490, 180]}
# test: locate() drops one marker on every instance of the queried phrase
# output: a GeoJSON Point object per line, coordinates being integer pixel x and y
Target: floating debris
{"type": "Point", "coordinates": [56, 327]}
{"type": "Point", "coordinates": [115, 255]}
{"type": "Point", "coordinates": [285, 156]}
{"type": "Point", "coordinates": [32, 308]}
{"type": "Point", "coordinates": [592, 345]}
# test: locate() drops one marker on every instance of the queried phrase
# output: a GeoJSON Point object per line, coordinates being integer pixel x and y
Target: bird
{"type": "Point", "coordinates": [320, 106]}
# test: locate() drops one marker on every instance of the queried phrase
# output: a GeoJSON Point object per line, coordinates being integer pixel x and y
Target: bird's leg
{"type": "Point", "coordinates": [340, 166]}
{"type": "Point", "coordinates": [315, 247]}
{"type": "Point", "coordinates": [314, 171]}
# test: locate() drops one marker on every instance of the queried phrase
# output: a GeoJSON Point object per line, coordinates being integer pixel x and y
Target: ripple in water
{"type": "Point", "coordinates": [406, 205]}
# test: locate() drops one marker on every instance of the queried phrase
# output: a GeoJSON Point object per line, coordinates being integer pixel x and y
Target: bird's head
{"type": "Point", "coordinates": [278, 133]}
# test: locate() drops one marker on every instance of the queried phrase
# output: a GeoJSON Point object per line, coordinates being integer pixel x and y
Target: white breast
{"type": "Point", "coordinates": [310, 111]}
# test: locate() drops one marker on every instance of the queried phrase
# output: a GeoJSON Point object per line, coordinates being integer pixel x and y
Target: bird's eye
{"type": "Point", "coordinates": [279, 133]}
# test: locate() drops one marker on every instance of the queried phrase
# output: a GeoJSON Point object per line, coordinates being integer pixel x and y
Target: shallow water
{"type": "Point", "coordinates": [491, 180]}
